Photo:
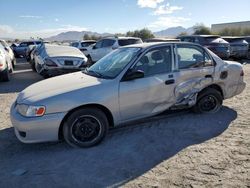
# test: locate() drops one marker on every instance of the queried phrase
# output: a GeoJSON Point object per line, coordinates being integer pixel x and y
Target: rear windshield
{"type": "Point", "coordinates": [236, 40]}
{"type": "Point", "coordinates": [124, 42]}
{"type": "Point", "coordinates": [86, 44]}
{"type": "Point", "coordinates": [214, 39]}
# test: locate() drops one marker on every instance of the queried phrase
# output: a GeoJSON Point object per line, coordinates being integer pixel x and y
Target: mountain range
{"type": "Point", "coordinates": [78, 35]}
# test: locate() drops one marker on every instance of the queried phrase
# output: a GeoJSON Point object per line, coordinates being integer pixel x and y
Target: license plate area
{"type": "Point", "coordinates": [68, 63]}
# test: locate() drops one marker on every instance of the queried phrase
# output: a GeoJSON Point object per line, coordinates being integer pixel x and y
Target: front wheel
{"type": "Point", "coordinates": [208, 101]}
{"type": "Point", "coordinates": [85, 127]}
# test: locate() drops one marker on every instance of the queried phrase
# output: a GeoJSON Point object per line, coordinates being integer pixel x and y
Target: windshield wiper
{"type": "Point", "coordinates": [97, 74]}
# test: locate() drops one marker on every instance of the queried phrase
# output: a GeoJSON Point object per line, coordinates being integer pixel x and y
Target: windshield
{"type": "Point", "coordinates": [112, 64]}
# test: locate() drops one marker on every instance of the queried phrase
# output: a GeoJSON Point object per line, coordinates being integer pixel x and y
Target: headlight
{"type": "Point", "coordinates": [30, 111]}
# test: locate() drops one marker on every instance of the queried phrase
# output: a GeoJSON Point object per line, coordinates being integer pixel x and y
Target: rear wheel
{"type": "Point", "coordinates": [85, 127]}
{"type": "Point", "coordinates": [6, 75]}
{"type": "Point", "coordinates": [208, 101]}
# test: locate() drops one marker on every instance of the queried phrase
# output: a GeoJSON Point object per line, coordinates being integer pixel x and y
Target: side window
{"type": "Point", "coordinates": [108, 43]}
{"type": "Point", "coordinates": [99, 44]}
{"type": "Point", "coordinates": [156, 61]}
{"type": "Point", "coordinates": [188, 39]}
{"type": "Point", "coordinates": [196, 40]}
{"type": "Point", "coordinates": [192, 57]}
{"type": "Point", "coordinates": [23, 44]}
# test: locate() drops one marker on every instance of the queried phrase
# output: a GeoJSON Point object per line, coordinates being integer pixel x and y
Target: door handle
{"type": "Point", "coordinates": [168, 82]}
{"type": "Point", "coordinates": [208, 76]}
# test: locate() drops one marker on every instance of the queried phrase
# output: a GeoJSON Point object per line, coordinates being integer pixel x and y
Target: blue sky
{"type": "Point", "coordinates": [32, 18]}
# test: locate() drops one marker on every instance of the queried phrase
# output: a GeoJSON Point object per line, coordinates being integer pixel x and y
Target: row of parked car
{"type": "Point", "coordinates": [224, 47]}
{"type": "Point", "coordinates": [50, 60]}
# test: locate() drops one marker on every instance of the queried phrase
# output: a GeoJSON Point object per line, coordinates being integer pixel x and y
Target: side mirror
{"type": "Point", "coordinates": [94, 47]}
{"type": "Point", "coordinates": [6, 49]}
{"type": "Point", "coordinates": [132, 75]}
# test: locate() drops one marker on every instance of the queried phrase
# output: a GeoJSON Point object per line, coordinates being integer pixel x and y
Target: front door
{"type": "Point", "coordinates": [155, 91]}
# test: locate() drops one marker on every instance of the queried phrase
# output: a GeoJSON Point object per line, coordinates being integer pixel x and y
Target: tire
{"type": "Point", "coordinates": [13, 63]}
{"type": "Point", "coordinates": [208, 101]}
{"type": "Point", "coordinates": [85, 127]}
{"type": "Point", "coordinates": [89, 62]}
{"type": "Point", "coordinates": [6, 75]}
{"type": "Point", "coordinates": [32, 64]}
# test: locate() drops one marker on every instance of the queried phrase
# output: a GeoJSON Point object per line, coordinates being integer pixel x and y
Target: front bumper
{"type": "Point", "coordinates": [36, 129]}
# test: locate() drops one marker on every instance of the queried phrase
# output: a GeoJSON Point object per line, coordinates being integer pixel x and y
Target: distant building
{"type": "Point", "coordinates": [218, 27]}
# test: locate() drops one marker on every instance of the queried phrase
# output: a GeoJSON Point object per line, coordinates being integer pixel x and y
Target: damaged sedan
{"type": "Point", "coordinates": [130, 83]}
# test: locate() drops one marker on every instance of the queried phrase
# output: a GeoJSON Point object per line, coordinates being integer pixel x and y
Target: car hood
{"type": "Point", "coordinates": [56, 86]}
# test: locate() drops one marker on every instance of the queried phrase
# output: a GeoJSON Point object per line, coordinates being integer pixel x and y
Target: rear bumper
{"type": "Point", "coordinates": [59, 71]}
{"type": "Point", "coordinates": [240, 88]}
{"type": "Point", "coordinates": [37, 129]}
{"type": "Point", "coordinates": [238, 53]}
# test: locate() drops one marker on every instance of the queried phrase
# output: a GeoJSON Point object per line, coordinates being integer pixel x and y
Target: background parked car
{"type": "Point", "coordinates": [52, 60]}
{"type": "Point", "coordinates": [238, 46]}
{"type": "Point", "coordinates": [9, 51]}
{"type": "Point", "coordinates": [247, 38]}
{"type": "Point", "coordinates": [106, 45]}
{"type": "Point", "coordinates": [21, 49]}
{"type": "Point", "coordinates": [213, 42]}
{"type": "Point", "coordinates": [84, 46]}
{"type": "Point", "coordinates": [5, 64]}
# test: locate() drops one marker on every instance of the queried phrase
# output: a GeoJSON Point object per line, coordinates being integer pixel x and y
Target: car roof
{"type": "Point", "coordinates": [114, 37]}
{"type": "Point", "coordinates": [233, 37]}
{"type": "Point", "coordinates": [205, 36]}
{"type": "Point", "coordinates": [152, 44]}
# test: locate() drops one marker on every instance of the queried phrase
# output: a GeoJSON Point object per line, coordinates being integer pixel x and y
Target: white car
{"type": "Point", "coordinates": [84, 46]}
{"type": "Point", "coordinates": [107, 45]}
{"type": "Point", "coordinates": [9, 51]}
{"type": "Point", "coordinates": [5, 64]}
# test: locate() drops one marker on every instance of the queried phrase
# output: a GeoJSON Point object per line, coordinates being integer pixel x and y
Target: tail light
{"type": "Point", "coordinates": [50, 63]}
{"type": "Point", "coordinates": [242, 73]}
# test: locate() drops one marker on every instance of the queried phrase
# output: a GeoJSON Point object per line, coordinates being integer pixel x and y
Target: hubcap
{"type": "Point", "coordinates": [86, 129]}
{"type": "Point", "coordinates": [209, 103]}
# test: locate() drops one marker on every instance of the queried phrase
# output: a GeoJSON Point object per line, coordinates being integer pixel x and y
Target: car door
{"type": "Point", "coordinates": [195, 69]}
{"type": "Point", "coordinates": [96, 51]}
{"type": "Point", "coordinates": [155, 91]}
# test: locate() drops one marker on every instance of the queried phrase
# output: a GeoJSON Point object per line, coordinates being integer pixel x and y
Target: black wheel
{"type": "Point", "coordinates": [85, 127]}
{"type": "Point", "coordinates": [13, 63]}
{"type": "Point", "coordinates": [32, 64]}
{"type": "Point", "coordinates": [208, 101]}
{"type": "Point", "coordinates": [6, 75]}
{"type": "Point", "coordinates": [89, 62]}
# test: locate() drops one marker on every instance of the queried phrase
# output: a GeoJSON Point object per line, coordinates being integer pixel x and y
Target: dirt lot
{"type": "Point", "coordinates": [177, 150]}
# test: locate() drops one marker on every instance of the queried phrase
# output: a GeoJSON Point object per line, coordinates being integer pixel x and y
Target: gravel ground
{"type": "Point", "coordinates": [177, 150]}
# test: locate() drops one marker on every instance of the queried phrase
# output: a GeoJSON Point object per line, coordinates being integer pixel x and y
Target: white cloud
{"type": "Point", "coordinates": [166, 22]}
{"type": "Point", "coordinates": [8, 32]}
{"type": "Point", "coordinates": [148, 3]}
{"type": "Point", "coordinates": [56, 20]}
{"type": "Point", "coordinates": [166, 9]}
{"type": "Point", "coordinates": [30, 16]}
{"type": "Point", "coordinates": [5, 29]}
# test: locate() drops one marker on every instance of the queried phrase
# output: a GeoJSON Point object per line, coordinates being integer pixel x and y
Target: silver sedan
{"type": "Point", "coordinates": [130, 83]}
